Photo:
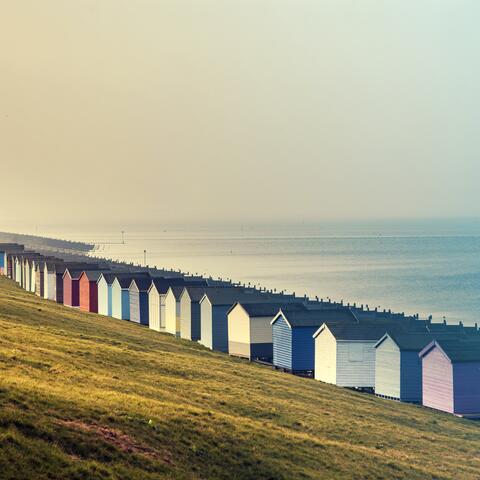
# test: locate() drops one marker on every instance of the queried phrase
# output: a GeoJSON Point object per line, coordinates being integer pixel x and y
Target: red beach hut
{"type": "Point", "coordinates": [88, 290]}
{"type": "Point", "coordinates": [71, 290]}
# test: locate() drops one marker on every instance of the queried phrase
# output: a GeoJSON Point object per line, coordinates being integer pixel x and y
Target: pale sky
{"type": "Point", "coordinates": [131, 111]}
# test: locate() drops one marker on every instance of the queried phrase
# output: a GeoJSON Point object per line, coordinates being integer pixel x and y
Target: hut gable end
{"type": "Point", "coordinates": [387, 368]}
{"type": "Point", "coordinates": [282, 342]}
{"type": "Point", "coordinates": [325, 356]}
{"type": "Point", "coordinates": [437, 380]}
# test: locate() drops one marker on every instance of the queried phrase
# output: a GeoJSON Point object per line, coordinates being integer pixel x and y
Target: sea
{"type": "Point", "coordinates": [429, 267]}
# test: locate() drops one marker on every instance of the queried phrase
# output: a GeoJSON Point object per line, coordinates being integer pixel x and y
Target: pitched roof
{"type": "Point", "coordinates": [196, 293]}
{"type": "Point", "coordinates": [142, 283]}
{"type": "Point", "coordinates": [60, 267]}
{"type": "Point", "coordinates": [461, 350]}
{"type": "Point", "coordinates": [112, 275]}
{"type": "Point", "coordinates": [50, 266]}
{"type": "Point", "coordinates": [126, 279]}
{"type": "Point", "coordinates": [177, 291]}
{"type": "Point", "coordinates": [267, 308]}
{"type": "Point", "coordinates": [92, 275]}
{"type": "Point", "coordinates": [228, 296]}
{"type": "Point", "coordinates": [41, 261]}
{"type": "Point", "coordinates": [162, 284]}
{"type": "Point", "coordinates": [29, 260]}
{"type": "Point", "coordinates": [74, 274]}
{"type": "Point", "coordinates": [358, 331]}
{"type": "Point", "coordinates": [48, 259]}
{"type": "Point", "coordinates": [315, 318]}
{"type": "Point", "coordinates": [408, 341]}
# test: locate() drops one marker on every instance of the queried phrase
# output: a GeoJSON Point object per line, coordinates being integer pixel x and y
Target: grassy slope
{"type": "Point", "coordinates": [83, 396]}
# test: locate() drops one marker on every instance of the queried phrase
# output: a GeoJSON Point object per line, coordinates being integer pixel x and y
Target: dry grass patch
{"type": "Point", "coordinates": [89, 397]}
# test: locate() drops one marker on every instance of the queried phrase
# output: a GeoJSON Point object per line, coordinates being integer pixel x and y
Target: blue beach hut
{"type": "Point", "coordinates": [214, 307]}
{"type": "Point", "coordinates": [121, 294]}
{"type": "Point", "coordinates": [138, 291]}
{"type": "Point", "coordinates": [398, 368]}
{"type": "Point", "coordinates": [292, 336]}
{"type": "Point", "coordinates": [104, 285]}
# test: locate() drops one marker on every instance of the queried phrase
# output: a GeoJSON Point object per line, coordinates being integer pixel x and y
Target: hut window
{"type": "Point", "coordinates": [355, 352]}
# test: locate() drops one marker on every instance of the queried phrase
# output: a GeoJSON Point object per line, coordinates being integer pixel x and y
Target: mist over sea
{"type": "Point", "coordinates": [424, 266]}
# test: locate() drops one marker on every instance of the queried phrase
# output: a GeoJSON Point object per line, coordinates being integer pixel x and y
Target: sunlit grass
{"type": "Point", "coordinates": [84, 396]}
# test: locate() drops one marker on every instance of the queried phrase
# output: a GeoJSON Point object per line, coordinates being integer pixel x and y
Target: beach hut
{"type": "Point", "coordinates": [155, 307]}
{"type": "Point", "coordinates": [121, 298]}
{"type": "Point", "coordinates": [29, 275]}
{"type": "Point", "coordinates": [71, 287]}
{"type": "Point", "coordinates": [292, 335]}
{"type": "Point", "coordinates": [22, 259]}
{"type": "Point", "coordinates": [104, 288]}
{"type": "Point", "coordinates": [21, 276]}
{"type": "Point", "coordinates": [11, 265]}
{"type": "Point", "coordinates": [25, 260]}
{"type": "Point", "coordinates": [121, 294]}
{"type": "Point", "coordinates": [6, 269]}
{"type": "Point", "coordinates": [17, 261]}
{"type": "Point", "coordinates": [156, 300]}
{"type": "Point", "coordinates": [49, 280]}
{"type": "Point", "coordinates": [398, 367]}
{"type": "Point", "coordinates": [172, 310]}
{"type": "Point", "coordinates": [88, 290]}
{"type": "Point", "coordinates": [33, 282]}
{"type": "Point", "coordinates": [345, 353]}
{"type": "Point", "coordinates": [138, 292]}
{"type": "Point", "coordinates": [451, 376]}
{"type": "Point", "coordinates": [61, 268]}
{"type": "Point", "coordinates": [5, 249]}
{"type": "Point", "coordinates": [17, 269]}
{"type": "Point", "coordinates": [39, 287]}
{"type": "Point", "coordinates": [250, 329]}
{"type": "Point", "coordinates": [25, 267]}
{"type": "Point", "coordinates": [14, 260]}
{"type": "Point", "coordinates": [214, 307]}
{"type": "Point", "coordinates": [190, 307]}
{"type": "Point", "coordinates": [43, 283]}
{"type": "Point", "coordinates": [190, 312]}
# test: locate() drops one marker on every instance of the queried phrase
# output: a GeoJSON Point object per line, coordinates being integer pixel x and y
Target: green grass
{"type": "Point", "coordinates": [84, 396]}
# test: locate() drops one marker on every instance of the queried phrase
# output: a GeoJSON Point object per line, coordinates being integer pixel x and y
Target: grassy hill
{"type": "Point", "coordinates": [83, 396]}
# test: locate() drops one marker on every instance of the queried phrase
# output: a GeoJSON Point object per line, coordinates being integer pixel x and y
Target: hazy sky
{"type": "Point", "coordinates": [121, 111]}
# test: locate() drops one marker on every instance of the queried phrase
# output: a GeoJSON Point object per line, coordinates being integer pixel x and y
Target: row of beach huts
{"type": "Point", "coordinates": [395, 356]}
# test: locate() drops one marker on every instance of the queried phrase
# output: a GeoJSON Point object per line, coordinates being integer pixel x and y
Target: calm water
{"type": "Point", "coordinates": [416, 267]}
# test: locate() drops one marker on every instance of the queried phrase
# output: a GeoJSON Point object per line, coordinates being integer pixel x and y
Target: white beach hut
{"type": "Point", "coordinates": [345, 354]}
